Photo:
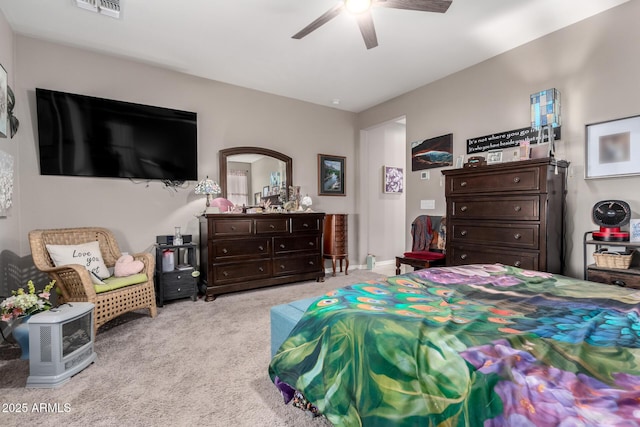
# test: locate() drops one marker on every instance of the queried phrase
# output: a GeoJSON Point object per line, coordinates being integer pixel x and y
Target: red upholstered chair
{"type": "Point", "coordinates": [427, 248]}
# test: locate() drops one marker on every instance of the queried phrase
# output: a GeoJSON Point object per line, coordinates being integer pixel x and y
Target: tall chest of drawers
{"type": "Point", "coordinates": [510, 213]}
{"type": "Point", "coordinates": [336, 242]}
{"type": "Point", "coordinates": [247, 251]}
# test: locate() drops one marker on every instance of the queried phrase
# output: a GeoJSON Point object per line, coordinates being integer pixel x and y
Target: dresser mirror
{"type": "Point", "coordinates": [252, 175]}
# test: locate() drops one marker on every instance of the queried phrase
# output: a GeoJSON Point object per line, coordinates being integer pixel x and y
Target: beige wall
{"type": "Point", "coordinates": [595, 64]}
{"type": "Point", "coordinates": [228, 116]}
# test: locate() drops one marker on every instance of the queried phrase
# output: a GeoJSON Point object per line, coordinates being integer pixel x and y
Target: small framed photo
{"type": "Point", "coordinates": [265, 191]}
{"type": "Point", "coordinates": [612, 148]}
{"type": "Point", "coordinates": [494, 157]}
{"type": "Point", "coordinates": [331, 175]}
{"type": "Point", "coordinates": [393, 179]}
{"type": "Point", "coordinates": [257, 198]}
{"type": "Point", "coordinates": [459, 161]}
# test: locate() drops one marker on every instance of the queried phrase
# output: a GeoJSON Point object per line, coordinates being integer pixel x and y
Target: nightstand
{"type": "Point", "coordinates": [178, 282]}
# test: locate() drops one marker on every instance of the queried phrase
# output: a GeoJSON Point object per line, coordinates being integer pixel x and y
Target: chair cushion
{"type": "Point", "coordinates": [425, 255]}
{"type": "Point", "coordinates": [112, 283]}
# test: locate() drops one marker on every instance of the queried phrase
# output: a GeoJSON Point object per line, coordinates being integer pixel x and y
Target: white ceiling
{"type": "Point", "coordinates": [248, 42]}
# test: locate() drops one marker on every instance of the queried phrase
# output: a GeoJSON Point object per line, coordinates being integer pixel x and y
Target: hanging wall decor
{"type": "Point", "coordinates": [13, 120]}
{"type": "Point", "coordinates": [393, 179]}
{"type": "Point", "coordinates": [432, 153]}
{"type": "Point", "coordinates": [6, 182]}
{"type": "Point", "coordinates": [4, 117]}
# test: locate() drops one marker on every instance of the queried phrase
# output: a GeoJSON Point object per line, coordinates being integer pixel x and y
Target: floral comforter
{"type": "Point", "coordinates": [479, 345]}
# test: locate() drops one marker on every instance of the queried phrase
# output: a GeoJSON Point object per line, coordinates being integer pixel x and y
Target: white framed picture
{"type": "Point", "coordinates": [634, 230]}
{"type": "Point", "coordinates": [494, 157]}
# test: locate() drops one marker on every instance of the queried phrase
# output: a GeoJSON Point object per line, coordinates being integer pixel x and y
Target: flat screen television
{"type": "Point", "coordinates": [81, 135]}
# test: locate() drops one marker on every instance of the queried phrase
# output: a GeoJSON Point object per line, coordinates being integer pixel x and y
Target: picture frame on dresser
{"type": "Point", "coordinates": [331, 175]}
{"type": "Point", "coordinates": [608, 151]}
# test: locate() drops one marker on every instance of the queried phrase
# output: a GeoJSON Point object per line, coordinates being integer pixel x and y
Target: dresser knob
{"type": "Point", "coordinates": [619, 283]}
{"type": "Point", "coordinates": [517, 236]}
{"type": "Point", "coordinates": [225, 274]}
{"type": "Point", "coordinates": [271, 226]}
{"type": "Point", "coordinates": [463, 208]}
{"type": "Point", "coordinates": [463, 233]}
{"type": "Point", "coordinates": [516, 179]}
{"type": "Point", "coordinates": [282, 267]}
{"type": "Point", "coordinates": [311, 263]}
{"type": "Point", "coordinates": [261, 247]}
{"type": "Point", "coordinates": [261, 269]}
{"type": "Point", "coordinates": [305, 225]}
{"type": "Point", "coordinates": [463, 256]}
{"type": "Point", "coordinates": [517, 208]}
{"type": "Point", "coordinates": [233, 228]}
{"type": "Point", "coordinates": [312, 243]}
{"type": "Point", "coordinates": [517, 263]}
{"type": "Point", "coordinates": [224, 250]}
{"type": "Point", "coordinates": [282, 246]}
{"type": "Point", "coordinates": [179, 289]}
{"type": "Point", "coordinates": [179, 277]}
{"type": "Point", "coordinates": [463, 184]}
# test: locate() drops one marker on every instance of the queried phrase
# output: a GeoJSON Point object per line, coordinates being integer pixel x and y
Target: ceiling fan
{"type": "Point", "coordinates": [362, 10]}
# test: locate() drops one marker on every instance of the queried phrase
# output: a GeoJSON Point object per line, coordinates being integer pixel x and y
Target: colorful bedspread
{"type": "Point", "coordinates": [480, 345]}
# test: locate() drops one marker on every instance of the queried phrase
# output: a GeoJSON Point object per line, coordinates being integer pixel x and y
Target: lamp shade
{"type": "Point", "coordinates": [207, 186]}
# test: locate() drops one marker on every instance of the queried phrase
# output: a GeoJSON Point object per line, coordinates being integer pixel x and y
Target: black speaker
{"type": "Point", "coordinates": [168, 240]}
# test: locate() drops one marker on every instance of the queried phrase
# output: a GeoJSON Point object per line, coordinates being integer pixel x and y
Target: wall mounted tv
{"type": "Point", "coordinates": [86, 136]}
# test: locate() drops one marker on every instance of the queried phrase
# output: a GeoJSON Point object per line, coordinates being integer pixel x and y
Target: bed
{"type": "Point", "coordinates": [486, 345]}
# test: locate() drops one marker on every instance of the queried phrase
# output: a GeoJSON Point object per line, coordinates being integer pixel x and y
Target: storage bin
{"type": "Point", "coordinates": [613, 259]}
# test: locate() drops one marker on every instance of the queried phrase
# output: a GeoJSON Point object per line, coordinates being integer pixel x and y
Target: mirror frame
{"type": "Point", "coordinates": [225, 153]}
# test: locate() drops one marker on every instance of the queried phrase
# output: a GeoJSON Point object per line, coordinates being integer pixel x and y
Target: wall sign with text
{"type": "Point", "coordinates": [509, 139]}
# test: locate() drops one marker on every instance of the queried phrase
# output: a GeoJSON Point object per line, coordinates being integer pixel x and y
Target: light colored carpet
{"type": "Point", "coordinates": [196, 364]}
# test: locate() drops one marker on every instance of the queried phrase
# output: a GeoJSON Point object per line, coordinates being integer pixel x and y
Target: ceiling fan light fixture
{"type": "Point", "coordinates": [357, 6]}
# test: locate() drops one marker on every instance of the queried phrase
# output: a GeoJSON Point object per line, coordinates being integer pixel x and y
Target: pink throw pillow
{"type": "Point", "coordinates": [127, 266]}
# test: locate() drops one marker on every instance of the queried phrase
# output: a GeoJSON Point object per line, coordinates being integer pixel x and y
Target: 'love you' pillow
{"type": "Point", "coordinates": [127, 266]}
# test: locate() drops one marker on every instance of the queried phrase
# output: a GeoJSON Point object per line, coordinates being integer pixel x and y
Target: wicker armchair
{"type": "Point", "coordinates": [74, 280]}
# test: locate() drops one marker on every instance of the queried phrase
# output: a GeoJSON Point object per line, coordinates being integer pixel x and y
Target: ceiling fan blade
{"type": "Point", "coordinates": [365, 22]}
{"type": "Point", "coordinates": [323, 19]}
{"type": "Point", "coordinates": [438, 6]}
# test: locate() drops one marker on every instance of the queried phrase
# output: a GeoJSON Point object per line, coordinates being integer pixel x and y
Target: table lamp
{"type": "Point", "coordinates": [545, 115]}
{"type": "Point", "coordinates": [306, 202]}
{"type": "Point", "coordinates": [208, 186]}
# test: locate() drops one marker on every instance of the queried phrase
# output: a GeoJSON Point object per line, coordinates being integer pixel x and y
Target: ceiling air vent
{"type": "Point", "coordinates": [106, 7]}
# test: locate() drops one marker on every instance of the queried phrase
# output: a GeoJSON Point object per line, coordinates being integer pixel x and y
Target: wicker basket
{"type": "Point", "coordinates": [613, 260]}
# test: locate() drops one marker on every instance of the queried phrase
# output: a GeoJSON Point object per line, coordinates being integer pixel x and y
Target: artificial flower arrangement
{"type": "Point", "coordinates": [25, 303]}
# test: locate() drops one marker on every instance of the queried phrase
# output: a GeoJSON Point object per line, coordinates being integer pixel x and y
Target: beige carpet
{"type": "Point", "coordinates": [196, 364]}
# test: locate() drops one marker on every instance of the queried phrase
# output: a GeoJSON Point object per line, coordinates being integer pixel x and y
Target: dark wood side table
{"type": "Point", "coordinates": [336, 244]}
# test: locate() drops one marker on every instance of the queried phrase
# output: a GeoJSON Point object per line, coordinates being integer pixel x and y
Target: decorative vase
{"type": "Point", "coordinates": [21, 335]}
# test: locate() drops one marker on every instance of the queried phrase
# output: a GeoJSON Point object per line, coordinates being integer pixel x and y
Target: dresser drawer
{"type": "Point", "coordinates": [496, 182]}
{"type": "Point", "coordinates": [472, 254]}
{"type": "Point", "coordinates": [239, 248]}
{"type": "Point", "coordinates": [299, 224]}
{"type": "Point", "coordinates": [508, 208]}
{"type": "Point", "coordinates": [495, 233]}
{"type": "Point", "coordinates": [233, 272]}
{"type": "Point", "coordinates": [297, 264]}
{"type": "Point", "coordinates": [624, 278]}
{"type": "Point", "coordinates": [272, 225]}
{"type": "Point", "coordinates": [283, 245]}
{"type": "Point", "coordinates": [232, 227]}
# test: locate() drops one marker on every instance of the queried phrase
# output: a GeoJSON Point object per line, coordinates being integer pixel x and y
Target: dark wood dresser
{"type": "Point", "coordinates": [336, 243]}
{"type": "Point", "coordinates": [247, 251]}
{"type": "Point", "coordinates": [510, 213]}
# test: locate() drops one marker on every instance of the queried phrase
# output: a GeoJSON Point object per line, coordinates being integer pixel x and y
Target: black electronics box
{"type": "Point", "coordinates": [168, 240]}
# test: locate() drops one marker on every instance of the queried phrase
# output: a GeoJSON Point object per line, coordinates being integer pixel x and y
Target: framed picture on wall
{"type": "Point", "coordinates": [331, 175]}
{"type": "Point", "coordinates": [4, 102]}
{"type": "Point", "coordinates": [393, 178]}
{"type": "Point", "coordinates": [612, 148]}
